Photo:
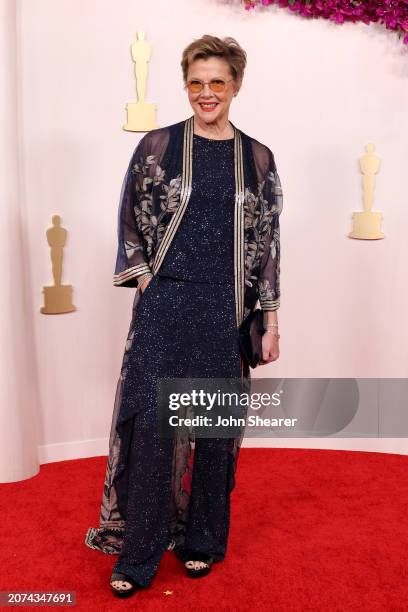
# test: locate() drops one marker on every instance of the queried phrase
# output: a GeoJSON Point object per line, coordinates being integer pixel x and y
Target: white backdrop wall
{"type": "Point", "coordinates": [314, 92]}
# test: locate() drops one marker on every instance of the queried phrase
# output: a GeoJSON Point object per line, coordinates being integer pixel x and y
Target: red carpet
{"type": "Point", "coordinates": [310, 530]}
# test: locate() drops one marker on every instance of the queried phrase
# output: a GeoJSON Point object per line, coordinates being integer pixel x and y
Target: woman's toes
{"type": "Point", "coordinates": [196, 564]}
{"type": "Point", "coordinates": [121, 585]}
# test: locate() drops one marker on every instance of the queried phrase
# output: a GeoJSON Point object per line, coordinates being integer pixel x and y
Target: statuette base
{"type": "Point", "coordinates": [140, 117]}
{"type": "Point", "coordinates": [367, 226]}
{"type": "Point", "coordinates": [57, 299]}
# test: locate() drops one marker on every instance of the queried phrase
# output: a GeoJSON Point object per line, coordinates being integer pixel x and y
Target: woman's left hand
{"type": "Point", "coordinates": [270, 348]}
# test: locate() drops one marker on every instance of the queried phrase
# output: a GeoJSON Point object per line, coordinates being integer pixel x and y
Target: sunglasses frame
{"type": "Point", "coordinates": [203, 83]}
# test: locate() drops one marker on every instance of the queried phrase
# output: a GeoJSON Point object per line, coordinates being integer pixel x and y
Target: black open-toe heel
{"type": "Point", "coordinates": [126, 591]}
{"type": "Point", "coordinates": [198, 564]}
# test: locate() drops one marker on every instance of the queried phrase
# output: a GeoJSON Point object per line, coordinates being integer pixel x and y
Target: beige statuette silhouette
{"type": "Point", "coordinates": [367, 224]}
{"type": "Point", "coordinates": [57, 297]}
{"type": "Point", "coordinates": [141, 114]}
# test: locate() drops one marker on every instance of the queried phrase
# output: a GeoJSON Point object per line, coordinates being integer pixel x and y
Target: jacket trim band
{"type": "Point", "coordinates": [133, 272]}
{"type": "Point", "coordinates": [239, 229]}
{"type": "Point", "coordinates": [269, 304]}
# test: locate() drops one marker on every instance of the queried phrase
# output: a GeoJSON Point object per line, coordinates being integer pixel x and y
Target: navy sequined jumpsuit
{"type": "Point", "coordinates": [185, 328]}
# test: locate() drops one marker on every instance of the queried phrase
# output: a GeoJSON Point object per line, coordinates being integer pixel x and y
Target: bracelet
{"type": "Point", "coordinates": [269, 325]}
{"type": "Point", "coordinates": [269, 331]}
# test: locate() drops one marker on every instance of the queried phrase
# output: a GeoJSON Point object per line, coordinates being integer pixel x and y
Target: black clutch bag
{"type": "Point", "coordinates": [251, 331]}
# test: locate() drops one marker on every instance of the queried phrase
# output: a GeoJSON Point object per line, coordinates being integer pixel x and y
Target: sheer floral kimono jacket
{"type": "Point", "coordinates": [155, 194]}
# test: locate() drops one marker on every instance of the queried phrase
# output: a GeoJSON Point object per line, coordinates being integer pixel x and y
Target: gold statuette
{"type": "Point", "coordinates": [141, 114]}
{"type": "Point", "coordinates": [367, 224]}
{"type": "Point", "coordinates": [57, 297]}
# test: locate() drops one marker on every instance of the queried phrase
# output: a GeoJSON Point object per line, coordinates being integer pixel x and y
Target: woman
{"type": "Point", "coordinates": [199, 270]}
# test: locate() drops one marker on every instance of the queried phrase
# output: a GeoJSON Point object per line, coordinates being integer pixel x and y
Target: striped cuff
{"type": "Point", "coordinates": [269, 305]}
{"type": "Point", "coordinates": [131, 273]}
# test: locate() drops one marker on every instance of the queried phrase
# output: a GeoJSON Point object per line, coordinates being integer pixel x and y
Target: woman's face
{"type": "Point", "coordinates": [210, 106]}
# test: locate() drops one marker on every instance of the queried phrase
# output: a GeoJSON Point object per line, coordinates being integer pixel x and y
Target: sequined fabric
{"type": "Point", "coordinates": [185, 328]}
{"type": "Point", "coordinates": [202, 249]}
{"type": "Point", "coordinates": [196, 336]}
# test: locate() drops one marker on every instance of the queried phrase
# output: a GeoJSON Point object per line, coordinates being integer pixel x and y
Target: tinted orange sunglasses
{"type": "Point", "coordinates": [216, 85]}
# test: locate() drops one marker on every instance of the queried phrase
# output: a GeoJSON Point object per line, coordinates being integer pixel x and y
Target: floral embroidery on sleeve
{"type": "Point", "coordinates": [151, 177]}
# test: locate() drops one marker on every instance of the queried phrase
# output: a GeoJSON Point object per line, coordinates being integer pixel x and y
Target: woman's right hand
{"type": "Point", "coordinates": [144, 284]}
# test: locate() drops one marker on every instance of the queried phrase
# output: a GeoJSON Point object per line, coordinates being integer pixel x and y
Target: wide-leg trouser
{"type": "Point", "coordinates": [183, 329]}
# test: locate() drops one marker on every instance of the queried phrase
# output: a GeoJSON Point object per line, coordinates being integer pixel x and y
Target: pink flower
{"type": "Point", "coordinates": [393, 14]}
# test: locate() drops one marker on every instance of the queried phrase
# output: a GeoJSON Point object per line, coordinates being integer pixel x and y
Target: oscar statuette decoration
{"type": "Point", "coordinates": [57, 297]}
{"type": "Point", "coordinates": [141, 114]}
{"type": "Point", "coordinates": [367, 224]}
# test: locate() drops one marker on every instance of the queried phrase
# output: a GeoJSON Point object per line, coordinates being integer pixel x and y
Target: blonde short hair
{"type": "Point", "coordinates": [212, 46]}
